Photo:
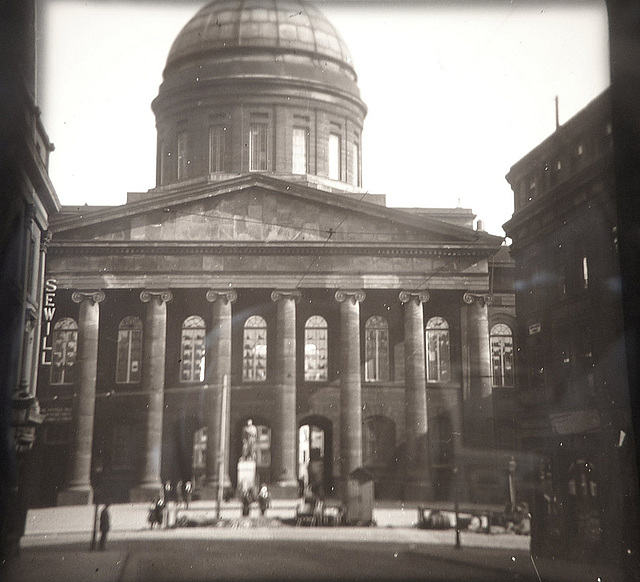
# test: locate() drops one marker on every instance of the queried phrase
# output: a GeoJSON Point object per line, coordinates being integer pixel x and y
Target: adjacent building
{"type": "Point", "coordinates": [352, 334]}
{"type": "Point", "coordinates": [572, 386]}
{"type": "Point", "coordinates": [27, 201]}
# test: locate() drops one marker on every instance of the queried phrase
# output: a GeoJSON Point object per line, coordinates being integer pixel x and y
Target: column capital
{"type": "Point", "coordinates": [417, 296]}
{"type": "Point", "coordinates": [482, 298]}
{"type": "Point", "coordinates": [162, 296]}
{"type": "Point", "coordinates": [93, 296]}
{"type": "Point", "coordinates": [278, 294]}
{"type": "Point", "coordinates": [225, 295]}
{"type": "Point", "coordinates": [353, 295]}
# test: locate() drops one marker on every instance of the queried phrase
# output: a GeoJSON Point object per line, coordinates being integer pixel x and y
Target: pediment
{"type": "Point", "coordinates": [257, 209]}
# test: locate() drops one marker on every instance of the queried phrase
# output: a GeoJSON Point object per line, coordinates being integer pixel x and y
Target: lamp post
{"type": "Point", "coordinates": [456, 506]}
{"type": "Point", "coordinates": [512, 483]}
{"type": "Point", "coordinates": [97, 476]}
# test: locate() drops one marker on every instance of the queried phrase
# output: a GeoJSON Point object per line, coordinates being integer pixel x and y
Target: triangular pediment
{"type": "Point", "coordinates": [258, 209]}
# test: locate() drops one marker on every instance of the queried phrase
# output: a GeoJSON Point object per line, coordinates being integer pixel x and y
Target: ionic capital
{"type": "Point", "coordinates": [224, 295]}
{"type": "Point", "coordinates": [93, 296]}
{"type": "Point", "coordinates": [416, 296]}
{"type": "Point", "coordinates": [355, 296]}
{"type": "Point", "coordinates": [45, 241]}
{"type": "Point", "coordinates": [483, 299]}
{"type": "Point", "coordinates": [161, 296]}
{"type": "Point", "coordinates": [278, 294]}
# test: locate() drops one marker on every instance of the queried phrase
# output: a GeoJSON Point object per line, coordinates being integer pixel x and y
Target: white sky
{"type": "Point", "coordinates": [456, 95]}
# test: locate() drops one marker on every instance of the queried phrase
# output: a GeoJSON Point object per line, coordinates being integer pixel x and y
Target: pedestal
{"type": "Point", "coordinates": [246, 474]}
{"type": "Point", "coordinates": [76, 496]}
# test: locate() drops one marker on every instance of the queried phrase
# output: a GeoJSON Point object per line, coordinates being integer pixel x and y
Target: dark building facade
{"type": "Point", "coordinates": [352, 334]}
{"type": "Point", "coordinates": [573, 390]}
{"type": "Point", "coordinates": [27, 200]}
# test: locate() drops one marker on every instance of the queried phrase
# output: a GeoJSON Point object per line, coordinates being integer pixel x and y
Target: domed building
{"type": "Point", "coordinates": [258, 281]}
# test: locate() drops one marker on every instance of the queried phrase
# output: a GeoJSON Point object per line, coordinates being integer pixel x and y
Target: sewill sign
{"type": "Point", "coordinates": [48, 312]}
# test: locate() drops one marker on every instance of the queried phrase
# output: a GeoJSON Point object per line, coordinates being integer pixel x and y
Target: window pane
{"type": "Point", "coordinates": [502, 355]}
{"type": "Point", "coordinates": [65, 347]}
{"type": "Point", "coordinates": [182, 155]}
{"type": "Point", "coordinates": [334, 156]}
{"type": "Point", "coordinates": [438, 350]}
{"type": "Point", "coordinates": [129, 351]}
{"type": "Point", "coordinates": [193, 349]}
{"type": "Point", "coordinates": [216, 148]}
{"type": "Point", "coordinates": [254, 363]}
{"type": "Point", "coordinates": [315, 349]}
{"type": "Point", "coordinates": [300, 148]}
{"type": "Point", "coordinates": [376, 349]}
{"type": "Point", "coordinates": [258, 147]}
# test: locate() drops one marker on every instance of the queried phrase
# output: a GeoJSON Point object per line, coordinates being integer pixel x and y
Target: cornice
{"type": "Point", "coordinates": [236, 248]}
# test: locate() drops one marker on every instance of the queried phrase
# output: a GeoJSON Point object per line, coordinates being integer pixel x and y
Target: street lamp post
{"type": "Point", "coordinates": [456, 506]}
{"type": "Point", "coordinates": [97, 476]}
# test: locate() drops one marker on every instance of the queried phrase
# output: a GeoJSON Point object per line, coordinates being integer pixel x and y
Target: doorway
{"type": "Point", "coordinates": [315, 455]}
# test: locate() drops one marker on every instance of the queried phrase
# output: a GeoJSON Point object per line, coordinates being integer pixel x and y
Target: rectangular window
{"type": "Point", "coordinates": [216, 148]}
{"type": "Point", "coordinates": [182, 155]}
{"type": "Point", "coordinates": [355, 164]}
{"type": "Point", "coordinates": [258, 147]}
{"type": "Point", "coordinates": [335, 155]}
{"type": "Point", "coordinates": [300, 150]}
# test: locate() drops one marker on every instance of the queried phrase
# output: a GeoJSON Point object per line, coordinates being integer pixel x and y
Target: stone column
{"type": "Point", "coordinates": [478, 407]}
{"type": "Point", "coordinates": [153, 371]}
{"type": "Point", "coordinates": [79, 491]}
{"type": "Point", "coordinates": [419, 486]}
{"type": "Point", "coordinates": [283, 431]}
{"type": "Point", "coordinates": [350, 381]}
{"type": "Point", "coordinates": [218, 363]}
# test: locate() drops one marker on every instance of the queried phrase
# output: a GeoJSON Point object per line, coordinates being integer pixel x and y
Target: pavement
{"type": "Point", "coordinates": [57, 539]}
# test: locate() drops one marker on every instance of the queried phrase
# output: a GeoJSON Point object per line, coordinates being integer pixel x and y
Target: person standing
{"type": "Point", "coordinates": [187, 493]}
{"type": "Point", "coordinates": [105, 526]}
{"type": "Point", "coordinates": [264, 499]}
{"type": "Point", "coordinates": [180, 493]}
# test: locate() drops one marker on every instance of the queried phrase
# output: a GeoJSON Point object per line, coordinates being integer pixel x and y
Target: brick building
{"type": "Point", "coordinates": [352, 334]}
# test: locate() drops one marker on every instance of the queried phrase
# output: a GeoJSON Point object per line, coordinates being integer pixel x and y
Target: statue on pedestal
{"type": "Point", "coordinates": [249, 439]}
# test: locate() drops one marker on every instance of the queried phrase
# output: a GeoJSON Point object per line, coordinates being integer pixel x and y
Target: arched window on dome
{"type": "Point", "coordinates": [254, 360]}
{"type": "Point", "coordinates": [501, 355]}
{"type": "Point", "coordinates": [192, 349]}
{"type": "Point", "coordinates": [376, 367]}
{"type": "Point", "coordinates": [129, 351]}
{"type": "Point", "coordinates": [316, 349]}
{"type": "Point", "coordinates": [355, 163]}
{"type": "Point", "coordinates": [64, 352]}
{"type": "Point", "coordinates": [438, 352]}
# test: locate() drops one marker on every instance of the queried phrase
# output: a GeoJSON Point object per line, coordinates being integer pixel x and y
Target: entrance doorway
{"type": "Point", "coordinates": [315, 466]}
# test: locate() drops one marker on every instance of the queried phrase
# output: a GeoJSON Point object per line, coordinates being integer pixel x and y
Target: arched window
{"type": "Point", "coordinates": [254, 361]}
{"type": "Point", "coordinates": [378, 441]}
{"type": "Point", "coordinates": [65, 349]}
{"type": "Point", "coordinates": [502, 355]}
{"type": "Point", "coordinates": [192, 349]}
{"type": "Point", "coordinates": [129, 358]}
{"type": "Point", "coordinates": [315, 349]}
{"type": "Point", "coordinates": [376, 367]}
{"type": "Point", "coordinates": [438, 357]}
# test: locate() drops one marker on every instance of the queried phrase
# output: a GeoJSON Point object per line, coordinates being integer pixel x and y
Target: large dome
{"type": "Point", "coordinates": [277, 25]}
{"type": "Point", "coordinates": [259, 86]}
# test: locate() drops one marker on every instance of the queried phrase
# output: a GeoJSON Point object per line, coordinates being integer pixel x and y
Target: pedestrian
{"type": "Point", "coordinates": [264, 499]}
{"type": "Point", "coordinates": [247, 498]}
{"type": "Point", "coordinates": [105, 526]}
{"type": "Point", "coordinates": [168, 492]}
{"type": "Point", "coordinates": [187, 493]}
{"type": "Point", "coordinates": [179, 492]}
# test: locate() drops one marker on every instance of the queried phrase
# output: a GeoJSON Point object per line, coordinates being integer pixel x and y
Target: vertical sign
{"type": "Point", "coordinates": [48, 312]}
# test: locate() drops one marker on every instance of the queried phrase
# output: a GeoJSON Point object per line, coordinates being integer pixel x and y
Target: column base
{"type": "Point", "coordinates": [76, 496]}
{"type": "Point", "coordinates": [418, 490]}
{"type": "Point", "coordinates": [145, 493]}
{"type": "Point", "coordinates": [284, 490]}
{"type": "Point", "coordinates": [210, 491]}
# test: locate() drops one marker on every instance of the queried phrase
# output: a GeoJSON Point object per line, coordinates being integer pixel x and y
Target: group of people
{"type": "Point", "coordinates": [248, 496]}
{"type": "Point", "coordinates": [180, 496]}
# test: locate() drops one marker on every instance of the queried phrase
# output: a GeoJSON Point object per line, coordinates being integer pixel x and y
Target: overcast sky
{"type": "Point", "coordinates": [456, 94]}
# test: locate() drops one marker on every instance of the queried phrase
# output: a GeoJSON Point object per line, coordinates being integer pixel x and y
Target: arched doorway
{"type": "Point", "coordinates": [315, 454]}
